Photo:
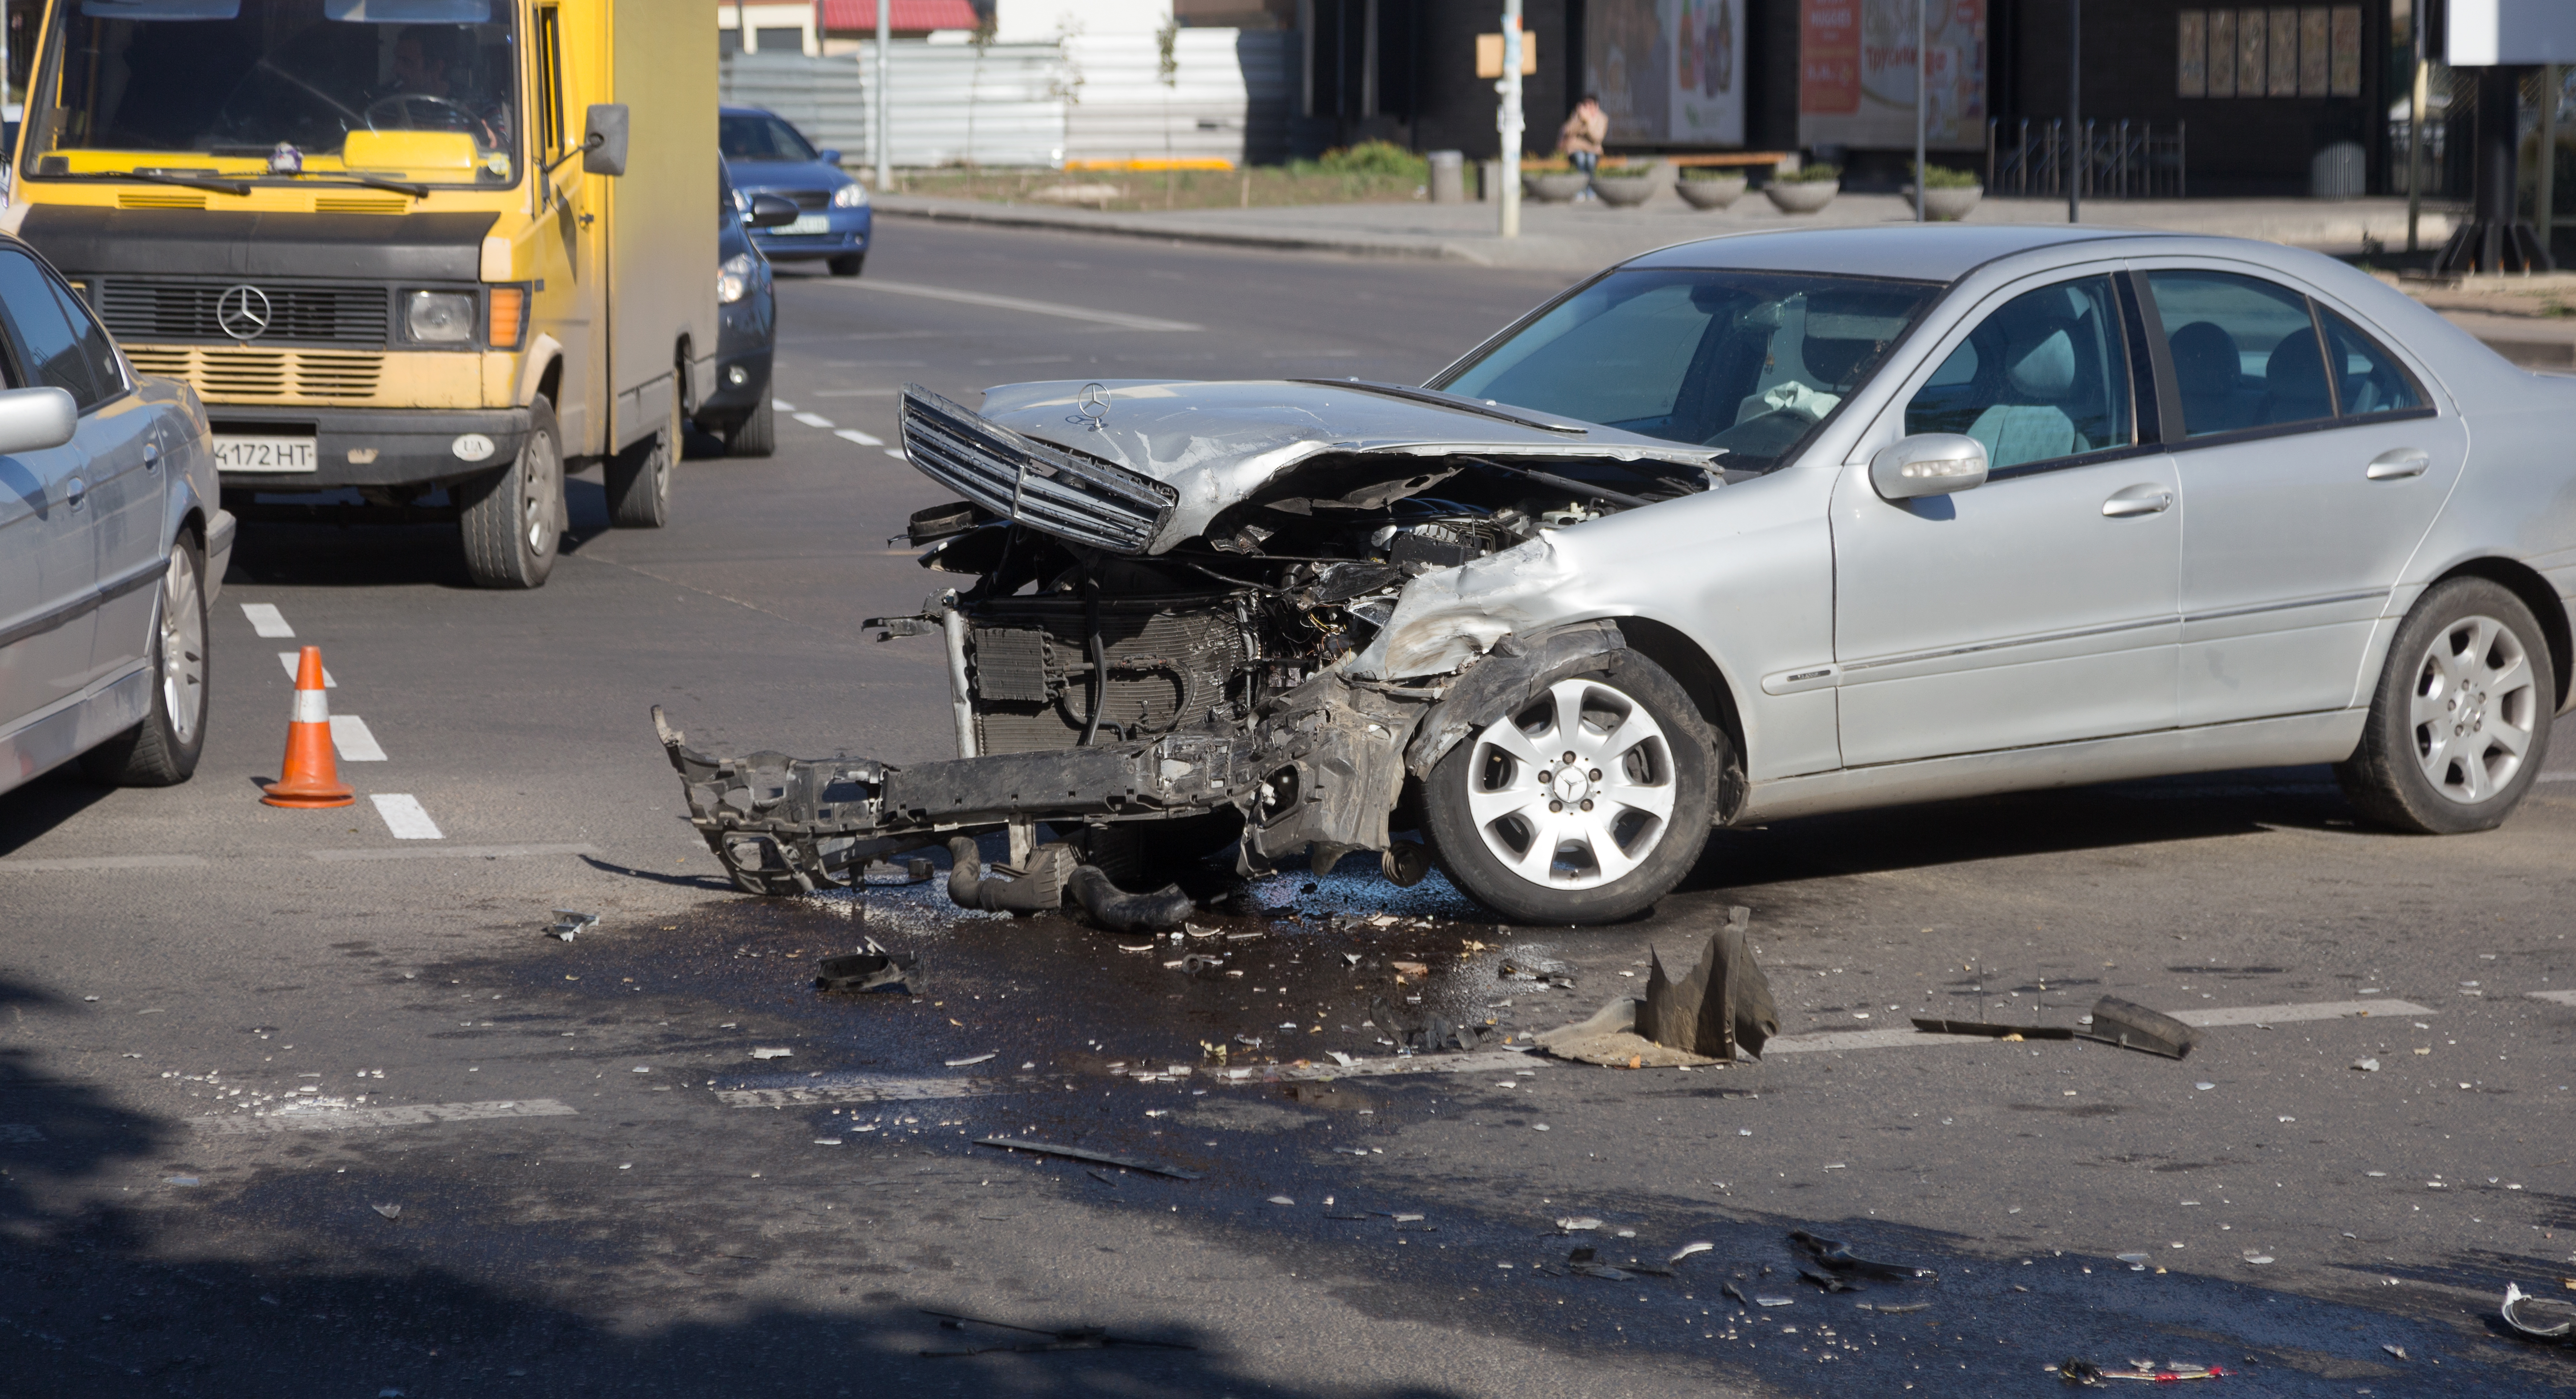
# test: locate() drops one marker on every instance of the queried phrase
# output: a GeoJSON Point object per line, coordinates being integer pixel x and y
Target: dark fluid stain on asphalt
{"type": "Point", "coordinates": [1088, 1038]}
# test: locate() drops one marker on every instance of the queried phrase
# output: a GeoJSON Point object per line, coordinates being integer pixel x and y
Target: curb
{"type": "Point", "coordinates": [1066, 221]}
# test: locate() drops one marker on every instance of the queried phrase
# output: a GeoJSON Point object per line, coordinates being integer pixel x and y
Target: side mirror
{"type": "Point", "coordinates": [771, 211]}
{"type": "Point", "coordinates": [1928, 463]}
{"type": "Point", "coordinates": [603, 139]}
{"type": "Point", "coordinates": [829, 157]}
{"type": "Point", "coordinates": [35, 420]}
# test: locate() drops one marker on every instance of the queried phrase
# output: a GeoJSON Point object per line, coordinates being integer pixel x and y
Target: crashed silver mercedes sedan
{"type": "Point", "coordinates": [1749, 528]}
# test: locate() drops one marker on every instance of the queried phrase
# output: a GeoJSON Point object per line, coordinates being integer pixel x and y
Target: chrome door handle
{"type": "Point", "coordinates": [75, 491]}
{"type": "Point", "coordinates": [2399, 463]}
{"type": "Point", "coordinates": [2149, 499]}
{"type": "Point", "coordinates": [151, 455]}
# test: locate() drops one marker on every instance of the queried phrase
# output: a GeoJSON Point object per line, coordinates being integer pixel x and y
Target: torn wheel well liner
{"type": "Point", "coordinates": [1708, 688]}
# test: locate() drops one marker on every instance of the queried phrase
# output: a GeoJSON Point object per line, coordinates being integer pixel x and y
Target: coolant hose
{"type": "Point", "coordinates": [1040, 889]}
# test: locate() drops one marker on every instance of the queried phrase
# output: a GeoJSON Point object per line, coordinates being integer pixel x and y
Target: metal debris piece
{"type": "Point", "coordinates": [1895, 1308]}
{"type": "Point", "coordinates": [772, 1053]}
{"type": "Point", "coordinates": [567, 923]}
{"type": "Point", "coordinates": [1837, 1256]}
{"type": "Point", "coordinates": [2133, 1026]}
{"type": "Point", "coordinates": [1072, 1338]}
{"type": "Point", "coordinates": [2400, 1351]}
{"type": "Point", "coordinates": [1688, 1249]}
{"type": "Point", "coordinates": [972, 1059]}
{"type": "Point", "coordinates": [2085, 1372]}
{"type": "Point", "coordinates": [2542, 1318]}
{"type": "Point", "coordinates": [1573, 1222]}
{"type": "Point", "coordinates": [1078, 1154]}
{"type": "Point", "coordinates": [389, 1211]}
{"type": "Point", "coordinates": [873, 968]}
{"type": "Point", "coordinates": [1828, 1281]}
{"type": "Point", "coordinates": [1762, 1301]}
{"type": "Point", "coordinates": [1723, 1005]}
{"type": "Point", "coordinates": [1934, 1026]}
{"type": "Point", "coordinates": [2368, 1066]}
{"type": "Point", "coordinates": [1425, 1030]}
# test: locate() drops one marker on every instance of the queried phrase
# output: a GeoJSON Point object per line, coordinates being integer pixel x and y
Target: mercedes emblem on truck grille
{"type": "Point", "coordinates": [242, 311]}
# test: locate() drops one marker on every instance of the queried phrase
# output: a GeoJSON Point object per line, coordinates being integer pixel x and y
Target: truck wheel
{"type": "Point", "coordinates": [514, 518]}
{"type": "Point", "coordinates": [2460, 723]}
{"type": "Point", "coordinates": [1584, 806]}
{"type": "Point", "coordinates": [848, 266]}
{"type": "Point", "coordinates": [639, 478]}
{"type": "Point", "coordinates": [163, 749]}
{"type": "Point", "coordinates": [757, 434]}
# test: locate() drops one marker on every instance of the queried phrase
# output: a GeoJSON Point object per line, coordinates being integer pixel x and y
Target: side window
{"type": "Point", "coordinates": [2367, 379]}
{"type": "Point", "coordinates": [56, 339]}
{"type": "Point", "coordinates": [2045, 376]}
{"type": "Point", "coordinates": [2245, 352]}
{"type": "Point", "coordinates": [550, 105]}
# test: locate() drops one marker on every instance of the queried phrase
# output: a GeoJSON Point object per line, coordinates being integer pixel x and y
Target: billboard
{"type": "Point", "coordinates": [1856, 73]}
{"type": "Point", "coordinates": [1669, 72]}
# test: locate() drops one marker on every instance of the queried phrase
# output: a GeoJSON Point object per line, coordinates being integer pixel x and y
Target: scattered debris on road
{"type": "Point", "coordinates": [1071, 1338]}
{"type": "Point", "coordinates": [389, 1211]}
{"type": "Point", "coordinates": [568, 922]}
{"type": "Point", "coordinates": [1079, 1154]}
{"type": "Point", "coordinates": [2133, 1026]}
{"type": "Point", "coordinates": [1724, 1005]}
{"type": "Point", "coordinates": [873, 968]}
{"type": "Point", "coordinates": [2009, 1033]}
{"type": "Point", "coordinates": [1425, 1030]}
{"type": "Point", "coordinates": [972, 1060]}
{"type": "Point", "coordinates": [2085, 1372]}
{"type": "Point", "coordinates": [1120, 912]}
{"type": "Point", "coordinates": [2542, 1318]}
{"type": "Point", "coordinates": [772, 1053]}
{"type": "Point", "coordinates": [1837, 1255]}
{"type": "Point", "coordinates": [2368, 1066]}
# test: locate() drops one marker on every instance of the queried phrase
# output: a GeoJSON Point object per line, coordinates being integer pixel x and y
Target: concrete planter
{"type": "Point", "coordinates": [1791, 197]}
{"type": "Point", "coordinates": [1626, 191]}
{"type": "Point", "coordinates": [1951, 204]}
{"type": "Point", "coordinates": [1555, 186]}
{"type": "Point", "coordinates": [1710, 194]}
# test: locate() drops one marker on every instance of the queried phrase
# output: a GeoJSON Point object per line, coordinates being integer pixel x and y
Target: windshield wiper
{"type": "Point", "coordinates": [370, 181]}
{"type": "Point", "coordinates": [204, 182]}
{"type": "Point", "coordinates": [1461, 402]}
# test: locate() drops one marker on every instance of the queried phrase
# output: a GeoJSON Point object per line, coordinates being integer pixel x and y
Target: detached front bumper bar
{"type": "Point", "coordinates": [785, 825]}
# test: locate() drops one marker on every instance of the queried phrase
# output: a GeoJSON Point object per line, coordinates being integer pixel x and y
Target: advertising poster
{"type": "Point", "coordinates": [1670, 72]}
{"type": "Point", "coordinates": [1856, 73]}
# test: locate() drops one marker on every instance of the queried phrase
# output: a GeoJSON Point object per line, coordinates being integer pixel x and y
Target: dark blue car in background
{"type": "Point", "coordinates": [739, 410]}
{"type": "Point", "coordinates": [769, 156]}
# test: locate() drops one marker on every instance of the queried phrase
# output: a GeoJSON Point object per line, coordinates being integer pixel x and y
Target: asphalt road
{"type": "Point", "coordinates": [545, 1168]}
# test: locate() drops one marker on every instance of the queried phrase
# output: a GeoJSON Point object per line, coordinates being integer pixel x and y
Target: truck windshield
{"type": "Point", "coordinates": [232, 80]}
{"type": "Point", "coordinates": [1748, 361]}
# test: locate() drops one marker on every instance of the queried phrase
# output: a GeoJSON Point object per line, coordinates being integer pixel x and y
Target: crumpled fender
{"type": "Point", "coordinates": [1449, 616]}
{"type": "Point", "coordinates": [1512, 673]}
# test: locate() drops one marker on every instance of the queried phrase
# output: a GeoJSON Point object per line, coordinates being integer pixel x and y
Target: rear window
{"type": "Point", "coordinates": [760, 138]}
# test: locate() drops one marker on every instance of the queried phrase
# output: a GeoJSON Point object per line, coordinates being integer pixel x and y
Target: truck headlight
{"type": "Point", "coordinates": [733, 279]}
{"type": "Point", "coordinates": [850, 196]}
{"type": "Point", "coordinates": [439, 317]}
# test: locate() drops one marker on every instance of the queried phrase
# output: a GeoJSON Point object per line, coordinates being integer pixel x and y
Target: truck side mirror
{"type": "Point", "coordinates": [603, 139]}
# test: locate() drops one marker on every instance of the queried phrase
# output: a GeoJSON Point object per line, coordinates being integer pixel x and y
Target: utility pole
{"type": "Point", "coordinates": [2075, 143]}
{"type": "Point", "coordinates": [2415, 129]}
{"type": "Point", "coordinates": [877, 118]}
{"type": "Point", "coordinates": [1508, 121]}
{"type": "Point", "coordinates": [1922, 106]}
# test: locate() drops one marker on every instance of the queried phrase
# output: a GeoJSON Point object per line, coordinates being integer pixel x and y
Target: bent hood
{"type": "Point", "coordinates": [1212, 445]}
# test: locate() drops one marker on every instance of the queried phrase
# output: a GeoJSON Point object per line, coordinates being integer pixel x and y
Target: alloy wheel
{"type": "Point", "coordinates": [183, 647]}
{"type": "Point", "coordinates": [1574, 791]}
{"type": "Point", "coordinates": [2474, 710]}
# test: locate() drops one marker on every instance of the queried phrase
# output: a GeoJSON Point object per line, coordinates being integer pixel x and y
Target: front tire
{"type": "Point", "coordinates": [2459, 725]}
{"type": "Point", "coordinates": [848, 265]}
{"type": "Point", "coordinates": [757, 434]}
{"type": "Point", "coordinates": [1541, 839]}
{"type": "Point", "coordinates": [162, 751]}
{"type": "Point", "coordinates": [514, 519]}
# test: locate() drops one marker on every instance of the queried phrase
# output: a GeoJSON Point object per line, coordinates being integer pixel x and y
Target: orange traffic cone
{"type": "Point", "coordinates": [311, 776]}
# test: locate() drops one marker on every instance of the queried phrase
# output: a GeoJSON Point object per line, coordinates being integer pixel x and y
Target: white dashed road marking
{"type": "Point", "coordinates": [1120, 319]}
{"type": "Point", "coordinates": [349, 734]}
{"type": "Point", "coordinates": [782, 405]}
{"type": "Point", "coordinates": [2564, 998]}
{"type": "Point", "coordinates": [288, 659]}
{"type": "Point", "coordinates": [266, 620]}
{"type": "Point", "coordinates": [812, 419]}
{"type": "Point", "coordinates": [404, 816]}
{"type": "Point", "coordinates": [322, 1119]}
{"type": "Point", "coordinates": [2230, 1015]}
{"type": "Point", "coordinates": [851, 434]}
{"type": "Point", "coordinates": [897, 454]}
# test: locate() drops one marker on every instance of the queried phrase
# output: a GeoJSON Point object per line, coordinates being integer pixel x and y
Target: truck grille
{"type": "Point", "coordinates": [153, 308]}
{"type": "Point", "coordinates": [225, 375]}
{"type": "Point", "coordinates": [1043, 487]}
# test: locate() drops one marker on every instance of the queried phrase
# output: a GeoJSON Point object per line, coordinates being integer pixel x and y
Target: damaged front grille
{"type": "Point", "coordinates": [1019, 478]}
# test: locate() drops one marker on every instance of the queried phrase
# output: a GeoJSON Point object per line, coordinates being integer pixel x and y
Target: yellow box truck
{"type": "Point", "coordinates": [416, 256]}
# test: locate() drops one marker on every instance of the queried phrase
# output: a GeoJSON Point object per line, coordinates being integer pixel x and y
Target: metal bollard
{"type": "Point", "coordinates": [1448, 177]}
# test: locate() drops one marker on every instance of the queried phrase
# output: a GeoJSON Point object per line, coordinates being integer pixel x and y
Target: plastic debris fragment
{"type": "Point", "coordinates": [2172, 1371]}
{"type": "Point", "coordinates": [2543, 1318]}
{"type": "Point", "coordinates": [389, 1211]}
{"type": "Point", "coordinates": [2133, 1026]}
{"type": "Point", "coordinates": [1837, 1256]}
{"type": "Point", "coordinates": [873, 968]}
{"type": "Point", "coordinates": [1079, 1154]}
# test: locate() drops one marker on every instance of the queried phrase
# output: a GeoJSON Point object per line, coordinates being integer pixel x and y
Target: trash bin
{"type": "Point", "coordinates": [2340, 171]}
{"type": "Point", "coordinates": [1448, 177]}
{"type": "Point", "coordinates": [1489, 180]}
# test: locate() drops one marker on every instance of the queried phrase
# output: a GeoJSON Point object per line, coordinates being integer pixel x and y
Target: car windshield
{"type": "Point", "coordinates": [237, 78]}
{"type": "Point", "coordinates": [1747, 361]}
{"type": "Point", "coordinates": [760, 137]}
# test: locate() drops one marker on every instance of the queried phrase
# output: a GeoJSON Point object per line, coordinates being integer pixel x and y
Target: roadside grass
{"type": "Point", "coordinates": [1361, 176]}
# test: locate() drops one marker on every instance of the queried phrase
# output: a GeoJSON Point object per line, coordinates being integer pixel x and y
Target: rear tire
{"type": "Point", "coordinates": [757, 434]}
{"type": "Point", "coordinates": [639, 478]}
{"type": "Point", "coordinates": [513, 520]}
{"type": "Point", "coordinates": [847, 266]}
{"type": "Point", "coordinates": [162, 751]}
{"type": "Point", "coordinates": [2459, 725]}
{"type": "Point", "coordinates": [1599, 839]}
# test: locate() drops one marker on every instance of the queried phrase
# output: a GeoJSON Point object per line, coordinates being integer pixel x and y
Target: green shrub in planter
{"type": "Point", "coordinates": [1818, 173]}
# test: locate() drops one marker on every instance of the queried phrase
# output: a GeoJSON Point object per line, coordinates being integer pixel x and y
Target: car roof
{"type": "Point", "coordinates": [1940, 252]}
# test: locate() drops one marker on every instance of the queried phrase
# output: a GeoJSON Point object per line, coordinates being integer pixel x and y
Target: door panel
{"type": "Point", "coordinates": [2037, 607]}
{"type": "Point", "coordinates": [48, 574]}
{"type": "Point", "coordinates": [569, 266]}
{"type": "Point", "coordinates": [2299, 530]}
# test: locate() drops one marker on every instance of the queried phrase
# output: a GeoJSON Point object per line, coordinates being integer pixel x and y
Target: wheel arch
{"type": "Point", "coordinates": [1701, 677]}
{"type": "Point", "coordinates": [2524, 582]}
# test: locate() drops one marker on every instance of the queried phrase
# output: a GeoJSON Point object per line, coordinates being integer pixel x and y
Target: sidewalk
{"type": "Point", "coordinates": [1582, 237]}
